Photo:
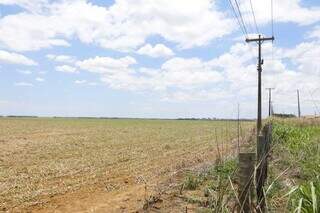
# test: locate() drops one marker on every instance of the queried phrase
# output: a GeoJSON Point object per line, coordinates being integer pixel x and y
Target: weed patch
{"type": "Point", "coordinates": [217, 194]}
{"type": "Point", "coordinates": [295, 168]}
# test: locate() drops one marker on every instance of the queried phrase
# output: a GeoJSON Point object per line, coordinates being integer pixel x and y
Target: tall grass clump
{"type": "Point", "coordinates": [307, 198]}
{"type": "Point", "coordinates": [295, 166]}
{"type": "Point", "coordinates": [215, 182]}
{"type": "Point", "coordinates": [219, 191]}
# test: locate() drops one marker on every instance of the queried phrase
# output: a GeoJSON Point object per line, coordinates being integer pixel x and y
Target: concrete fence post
{"type": "Point", "coordinates": [260, 172]}
{"type": "Point", "coordinates": [246, 174]}
{"type": "Point", "coordinates": [263, 148]}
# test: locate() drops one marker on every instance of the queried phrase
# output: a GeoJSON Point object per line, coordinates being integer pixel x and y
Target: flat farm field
{"type": "Point", "coordinates": [94, 165]}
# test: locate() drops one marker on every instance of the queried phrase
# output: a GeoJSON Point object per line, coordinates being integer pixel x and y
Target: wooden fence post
{"type": "Point", "coordinates": [246, 173]}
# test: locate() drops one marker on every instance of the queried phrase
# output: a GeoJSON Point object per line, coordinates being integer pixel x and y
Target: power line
{"type": "Point", "coordinates": [272, 28]}
{"type": "Point", "coordinates": [254, 17]}
{"type": "Point", "coordinates": [292, 57]}
{"type": "Point", "coordinates": [241, 18]}
{"type": "Point", "coordinates": [272, 32]}
{"type": "Point", "coordinates": [314, 103]}
{"type": "Point", "coordinates": [243, 29]}
{"type": "Point", "coordinates": [245, 8]}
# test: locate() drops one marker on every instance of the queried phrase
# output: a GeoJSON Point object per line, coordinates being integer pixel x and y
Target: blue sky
{"type": "Point", "coordinates": [163, 59]}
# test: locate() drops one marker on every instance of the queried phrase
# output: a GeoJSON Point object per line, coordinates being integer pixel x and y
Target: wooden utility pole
{"type": "Point", "coordinates": [270, 107]}
{"type": "Point", "coordinates": [259, 41]}
{"type": "Point", "coordinates": [298, 96]}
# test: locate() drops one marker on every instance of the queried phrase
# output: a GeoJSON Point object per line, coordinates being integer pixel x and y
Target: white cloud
{"type": "Point", "coordinates": [40, 79]}
{"type": "Point", "coordinates": [106, 64]}
{"type": "Point", "coordinates": [159, 50]}
{"type": "Point", "coordinates": [187, 23]}
{"type": "Point", "coordinates": [284, 11]}
{"type": "Point", "coordinates": [85, 82]}
{"type": "Point", "coordinates": [23, 84]}
{"type": "Point", "coordinates": [25, 72]}
{"type": "Point", "coordinates": [123, 26]}
{"type": "Point", "coordinates": [315, 33]}
{"type": "Point", "coordinates": [303, 58]}
{"type": "Point", "coordinates": [92, 83]}
{"type": "Point", "coordinates": [176, 72]}
{"type": "Point", "coordinates": [230, 77]}
{"type": "Point", "coordinates": [66, 68]}
{"type": "Point", "coordinates": [197, 95]}
{"type": "Point", "coordinates": [4, 102]}
{"type": "Point", "coordinates": [61, 58]}
{"type": "Point", "coordinates": [31, 5]}
{"type": "Point", "coordinates": [241, 75]}
{"type": "Point", "coordinates": [181, 72]}
{"type": "Point", "coordinates": [80, 81]}
{"type": "Point", "coordinates": [24, 31]}
{"type": "Point", "coordinates": [126, 25]}
{"type": "Point", "coordinates": [14, 58]}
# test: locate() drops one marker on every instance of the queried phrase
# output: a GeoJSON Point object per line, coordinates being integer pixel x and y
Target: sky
{"type": "Point", "coordinates": [159, 59]}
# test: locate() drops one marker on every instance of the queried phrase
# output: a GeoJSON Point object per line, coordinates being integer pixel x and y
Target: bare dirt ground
{"type": "Point", "coordinates": [92, 165]}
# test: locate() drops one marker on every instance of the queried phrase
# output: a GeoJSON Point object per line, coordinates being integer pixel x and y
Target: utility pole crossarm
{"type": "Point", "coordinates": [259, 39]}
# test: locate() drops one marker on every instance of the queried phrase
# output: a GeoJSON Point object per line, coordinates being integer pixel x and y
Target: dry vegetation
{"type": "Point", "coordinates": [55, 163]}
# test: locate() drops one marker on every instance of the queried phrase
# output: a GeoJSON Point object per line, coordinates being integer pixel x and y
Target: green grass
{"type": "Point", "coordinates": [192, 181]}
{"type": "Point", "coordinates": [306, 197]}
{"type": "Point", "coordinates": [295, 168]}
